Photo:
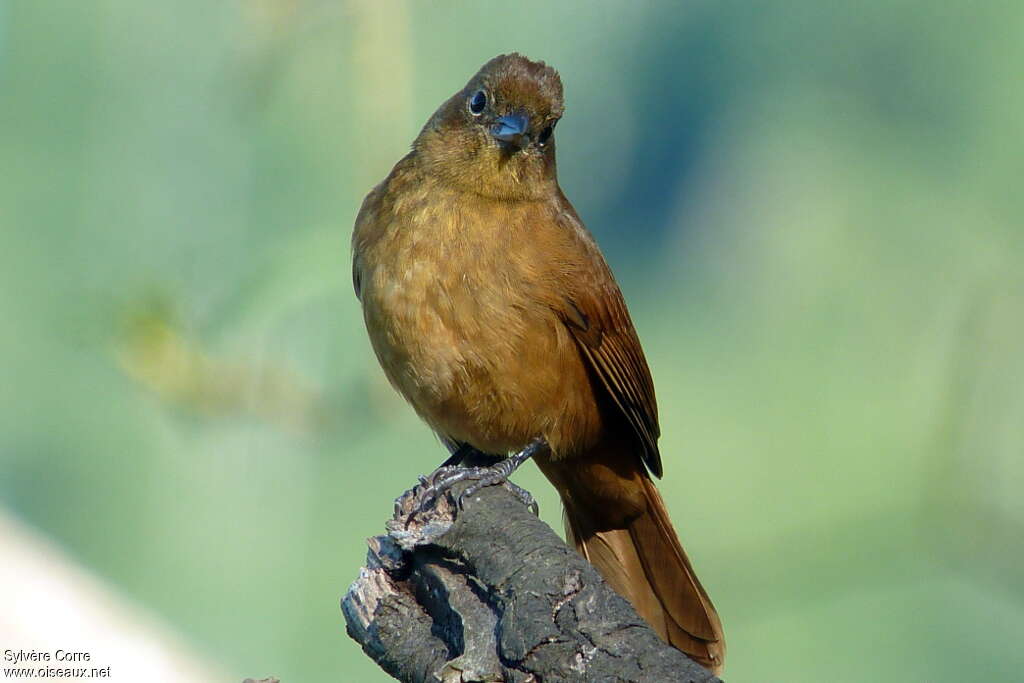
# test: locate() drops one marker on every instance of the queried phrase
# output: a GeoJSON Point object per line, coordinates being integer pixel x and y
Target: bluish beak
{"type": "Point", "coordinates": [511, 128]}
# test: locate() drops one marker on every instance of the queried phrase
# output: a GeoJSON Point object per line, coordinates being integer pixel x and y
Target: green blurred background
{"type": "Point", "coordinates": [814, 210]}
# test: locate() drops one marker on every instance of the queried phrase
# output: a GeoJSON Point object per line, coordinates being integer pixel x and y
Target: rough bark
{"type": "Point", "coordinates": [491, 593]}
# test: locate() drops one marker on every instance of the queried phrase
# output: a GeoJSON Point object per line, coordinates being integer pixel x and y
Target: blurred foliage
{"type": "Point", "coordinates": [814, 210]}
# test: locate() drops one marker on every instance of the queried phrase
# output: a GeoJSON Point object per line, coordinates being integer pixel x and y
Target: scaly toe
{"type": "Point", "coordinates": [437, 484]}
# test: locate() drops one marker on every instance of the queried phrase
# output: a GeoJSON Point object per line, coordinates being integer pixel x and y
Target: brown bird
{"type": "Point", "coordinates": [493, 312]}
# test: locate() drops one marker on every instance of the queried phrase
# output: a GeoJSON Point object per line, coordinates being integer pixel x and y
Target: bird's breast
{"type": "Point", "coordinates": [455, 317]}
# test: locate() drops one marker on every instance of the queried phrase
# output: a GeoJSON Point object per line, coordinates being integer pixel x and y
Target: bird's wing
{"type": "Point", "coordinates": [357, 277]}
{"type": "Point", "coordinates": [365, 230]}
{"type": "Point", "coordinates": [596, 315]}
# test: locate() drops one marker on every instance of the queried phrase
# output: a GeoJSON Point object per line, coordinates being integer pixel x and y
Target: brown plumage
{"type": "Point", "coordinates": [492, 310]}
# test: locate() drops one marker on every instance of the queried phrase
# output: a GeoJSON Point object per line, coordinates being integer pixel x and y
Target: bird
{"type": "Point", "coordinates": [492, 310]}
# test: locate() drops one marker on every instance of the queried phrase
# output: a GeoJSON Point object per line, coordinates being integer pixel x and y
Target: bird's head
{"type": "Point", "coordinates": [495, 137]}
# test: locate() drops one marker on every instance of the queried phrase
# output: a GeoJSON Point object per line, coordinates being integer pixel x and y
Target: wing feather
{"type": "Point", "coordinates": [600, 324]}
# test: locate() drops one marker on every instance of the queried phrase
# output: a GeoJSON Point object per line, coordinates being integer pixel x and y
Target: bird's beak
{"type": "Point", "coordinates": [512, 129]}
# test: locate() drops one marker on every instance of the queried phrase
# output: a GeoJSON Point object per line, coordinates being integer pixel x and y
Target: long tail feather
{"type": "Point", "coordinates": [644, 562]}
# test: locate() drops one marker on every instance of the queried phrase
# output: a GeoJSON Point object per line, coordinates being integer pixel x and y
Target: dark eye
{"type": "Point", "coordinates": [477, 103]}
{"type": "Point", "coordinates": [544, 135]}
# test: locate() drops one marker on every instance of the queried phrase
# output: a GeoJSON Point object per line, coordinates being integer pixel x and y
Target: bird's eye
{"type": "Point", "coordinates": [542, 139]}
{"type": "Point", "coordinates": [477, 103]}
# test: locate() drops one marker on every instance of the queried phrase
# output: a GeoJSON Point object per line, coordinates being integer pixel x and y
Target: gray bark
{"type": "Point", "coordinates": [491, 593]}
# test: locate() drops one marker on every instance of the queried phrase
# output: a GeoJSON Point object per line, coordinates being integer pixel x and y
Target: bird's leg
{"type": "Point", "coordinates": [499, 473]}
{"type": "Point", "coordinates": [468, 456]}
{"type": "Point", "coordinates": [446, 477]}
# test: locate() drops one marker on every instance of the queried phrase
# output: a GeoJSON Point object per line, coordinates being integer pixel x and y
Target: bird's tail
{"type": "Point", "coordinates": [641, 557]}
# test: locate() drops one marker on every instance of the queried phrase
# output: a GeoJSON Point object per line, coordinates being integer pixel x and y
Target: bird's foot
{"type": "Point", "coordinates": [487, 476]}
{"type": "Point", "coordinates": [441, 481]}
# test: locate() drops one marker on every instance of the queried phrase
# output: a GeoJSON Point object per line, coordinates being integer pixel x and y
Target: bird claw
{"type": "Point", "coordinates": [431, 488]}
{"type": "Point", "coordinates": [491, 477]}
{"type": "Point", "coordinates": [445, 477]}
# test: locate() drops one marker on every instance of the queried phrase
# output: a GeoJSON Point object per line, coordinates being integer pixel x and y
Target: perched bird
{"type": "Point", "coordinates": [493, 312]}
